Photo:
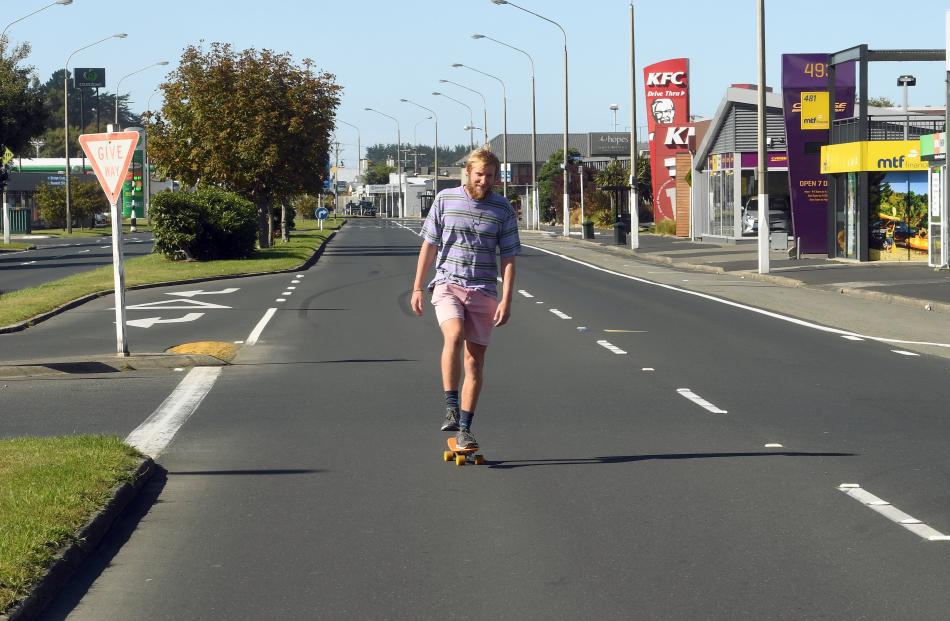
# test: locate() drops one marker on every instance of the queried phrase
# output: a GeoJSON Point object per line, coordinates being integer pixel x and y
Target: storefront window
{"type": "Point", "coordinates": [846, 217]}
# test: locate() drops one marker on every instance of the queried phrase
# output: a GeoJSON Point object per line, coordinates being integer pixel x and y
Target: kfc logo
{"type": "Point", "coordinates": [679, 135]}
{"type": "Point", "coordinates": [662, 78]}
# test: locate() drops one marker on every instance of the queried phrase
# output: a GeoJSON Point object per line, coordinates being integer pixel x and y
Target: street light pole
{"type": "Point", "coordinates": [565, 168]}
{"type": "Point", "coordinates": [763, 197]}
{"type": "Point", "coordinates": [634, 197]}
{"type": "Point", "coordinates": [161, 63]}
{"type": "Point", "coordinates": [3, 34]}
{"type": "Point", "coordinates": [471, 119]}
{"type": "Point", "coordinates": [402, 197]}
{"type": "Point", "coordinates": [359, 149]}
{"type": "Point", "coordinates": [484, 106]}
{"type": "Point", "coordinates": [121, 35]}
{"type": "Point", "coordinates": [534, 134]}
{"type": "Point", "coordinates": [504, 116]}
{"type": "Point", "coordinates": [435, 177]}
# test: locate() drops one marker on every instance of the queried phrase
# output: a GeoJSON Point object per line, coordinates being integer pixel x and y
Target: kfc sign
{"type": "Point", "coordinates": [666, 87]}
{"type": "Point", "coordinates": [669, 77]}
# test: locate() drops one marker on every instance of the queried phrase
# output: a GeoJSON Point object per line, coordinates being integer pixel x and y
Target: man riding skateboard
{"type": "Point", "coordinates": [465, 228]}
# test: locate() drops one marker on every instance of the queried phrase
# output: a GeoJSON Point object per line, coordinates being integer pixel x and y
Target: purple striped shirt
{"type": "Point", "coordinates": [468, 233]}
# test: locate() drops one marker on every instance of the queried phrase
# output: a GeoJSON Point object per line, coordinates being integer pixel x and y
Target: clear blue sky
{"type": "Point", "coordinates": [384, 50]}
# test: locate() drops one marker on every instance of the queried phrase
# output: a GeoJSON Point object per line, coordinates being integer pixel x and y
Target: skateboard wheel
{"type": "Point", "coordinates": [479, 460]}
{"type": "Point", "coordinates": [460, 460]}
{"type": "Point", "coordinates": [448, 455]}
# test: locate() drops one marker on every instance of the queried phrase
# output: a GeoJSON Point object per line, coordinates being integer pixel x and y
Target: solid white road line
{"type": "Point", "coordinates": [153, 435]}
{"type": "Point", "coordinates": [752, 309]}
{"type": "Point", "coordinates": [610, 346]}
{"type": "Point", "coordinates": [692, 396]}
{"type": "Point", "coordinates": [891, 512]}
{"type": "Point", "coordinates": [560, 314]}
{"type": "Point", "coordinates": [256, 332]}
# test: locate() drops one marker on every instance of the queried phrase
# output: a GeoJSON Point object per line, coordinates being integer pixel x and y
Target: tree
{"type": "Point", "coordinates": [447, 155]}
{"type": "Point", "coordinates": [88, 199]}
{"type": "Point", "coordinates": [378, 173]}
{"type": "Point", "coordinates": [551, 176]}
{"type": "Point", "coordinates": [21, 103]}
{"type": "Point", "coordinates": [881, 102]}
{"type": "Point", "coordinates": [251, 122]}
{"type": "Point", "coordinates": [613, 180]}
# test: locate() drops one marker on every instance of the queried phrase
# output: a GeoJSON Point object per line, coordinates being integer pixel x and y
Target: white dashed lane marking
{"type": "Point", "coordinates": [891, 512]}
{"type": "Point", "coordinates": [904, 353]}
{"type": "Point", "coordinates": [610, 346]}
{"type": "Point", "coordinates": [525, 293]}
{"type": "Point", "coordinates": [692, 396]}
{"type": "Point", "coordinates": [560, 314]}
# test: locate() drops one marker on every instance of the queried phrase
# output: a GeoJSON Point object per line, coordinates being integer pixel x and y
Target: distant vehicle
{"type": "Point", "coordinates": [885, 232]}
{"type": "Point", "coordinates": [780, 215]}
{"type": "Point", "coordinates": [367, 208]}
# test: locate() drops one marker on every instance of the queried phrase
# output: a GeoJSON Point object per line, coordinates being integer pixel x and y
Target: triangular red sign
{"type": "Point", "coordinates": [110, 155]}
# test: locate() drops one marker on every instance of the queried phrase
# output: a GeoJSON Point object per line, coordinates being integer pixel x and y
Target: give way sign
{"type": "Point", "coordinates": [111, 155]}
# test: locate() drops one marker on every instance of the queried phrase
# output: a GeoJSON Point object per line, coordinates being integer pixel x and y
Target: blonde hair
{"type": "Point", "coordinates": [485, 157]}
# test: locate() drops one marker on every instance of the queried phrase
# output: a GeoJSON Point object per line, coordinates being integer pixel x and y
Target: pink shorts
{"type": "Point", "coordinates": [474, 308]}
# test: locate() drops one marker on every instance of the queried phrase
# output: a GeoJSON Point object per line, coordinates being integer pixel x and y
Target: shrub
{"type": "Point", "coordinates": [87, 200]}
{"type": "Point", "coordinates": [208, 224]}
{"type": "Point", "coordinates": [666, 227]}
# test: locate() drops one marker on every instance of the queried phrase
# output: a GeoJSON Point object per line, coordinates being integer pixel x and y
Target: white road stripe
{"type": "Point", "coordinates": [610, 346]}
{"type": "Point", "coordinates": [256, 332]}
{"type": "Point", "coordinates": [852, 338]}
{"type": "Point", "coordinates": [560, 314]}
{"type": "Point", "coordinates": [752, 309]}
{"type": "Point", "coordinates": [525, 293]}
{"type": "Point", "coordinates": [891, 512]}
{"type": "Point", "coordinates": [904, 353]}
{"type": "Point", "coordinates": [153, 435]}
{"type": "Point", "coordinates": [692, 396]}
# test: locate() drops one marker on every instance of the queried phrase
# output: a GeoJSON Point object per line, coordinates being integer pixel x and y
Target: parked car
{"type": "Point", "coordinates": [367, 208]}
{"type": "Point", "coordinates": [780, 215]}
{"type": "Point", "coordinates": [883, 233]}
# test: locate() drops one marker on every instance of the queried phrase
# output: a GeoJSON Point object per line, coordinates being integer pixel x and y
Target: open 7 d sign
{"type": "Point", "coordinates": [110, 155]}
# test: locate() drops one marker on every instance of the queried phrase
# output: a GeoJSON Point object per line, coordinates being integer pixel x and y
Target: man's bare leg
{"type": "Point", "coordinates": [474, 363]}
{"type": "Point", "coordinates": [453, 333]}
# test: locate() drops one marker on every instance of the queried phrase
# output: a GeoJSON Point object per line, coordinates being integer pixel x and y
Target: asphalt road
{"type": "Point", "coordinates": [57, 258]}
{"type": "Point", "coordinates": [644, 484]}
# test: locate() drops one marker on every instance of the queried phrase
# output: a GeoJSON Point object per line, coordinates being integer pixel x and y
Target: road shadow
{"type": "Point", "coordinates": [119, 534]}
{"type": "Point", "coordinates": [373, 251]}
{"type": "Point", "coordinates": [626, 459]}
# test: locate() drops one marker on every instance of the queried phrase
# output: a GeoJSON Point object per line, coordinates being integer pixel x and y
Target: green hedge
{"type": "Point", "coordinates": [204, 225]}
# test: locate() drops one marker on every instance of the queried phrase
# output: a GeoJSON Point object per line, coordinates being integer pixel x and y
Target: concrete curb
{"type": "Point", "coordinates": [784, 281]}
{"type": "Point", "coordinates": [94, 365]}
{"type": "Point", "coordinates": [32, 321]}
{"type": "Point", "coordinates": [71, 557]}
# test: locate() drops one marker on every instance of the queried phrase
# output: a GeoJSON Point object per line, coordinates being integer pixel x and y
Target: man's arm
{"type": "Point", "coordinates": [503, 312]}
{"type": "Point", "coordinates": [426, 258]}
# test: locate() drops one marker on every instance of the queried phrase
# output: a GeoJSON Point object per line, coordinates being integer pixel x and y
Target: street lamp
{"type": "Point", "coordinates": [484, 104]}
{"type": "Point", "coordinates": [904, 81]}
{"type": "Point", "coordinates": [534, 138]}
{"type": "Point", "coordinates": [359, 149]}
{"type": "Point", "coordinates": [435, 177]}
{"type": "Point", "coordinates": [615, 107]}
{"type": "Point", "coordinates": [3, 34]}
{"type": "Point", "coordinates": [415, 143]}
{"type": "Point", "coordinates": [567, 204]}
{"type": "Point", "coordinates": [121, 35]}
{"type": "Point", "coordinates": [402, 198]}
{"type": "Point", "coordinates": [504, 116]}
{"type": "Point", "coordinates": [471, 119]}
{"type": "Point", "coordinates": [161, 63]}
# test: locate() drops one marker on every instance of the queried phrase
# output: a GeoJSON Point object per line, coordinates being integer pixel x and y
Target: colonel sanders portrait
{"type": "Point", "coordinates": [663, 111]}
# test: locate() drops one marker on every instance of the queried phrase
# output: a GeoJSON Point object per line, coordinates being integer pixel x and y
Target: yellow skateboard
{"type": "Point", "coordinates": [462, 455]}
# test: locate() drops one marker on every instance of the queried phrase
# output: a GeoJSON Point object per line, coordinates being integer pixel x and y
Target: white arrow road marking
{"type": "Point", "coordinates": [692, 396]}
{"type": "Point", "coordinates": [191, 294]}
{"type": "Point", "coordinates": [175, 305]}
{"type": "Point", "coordinates": [153, 435]}
{"type": "Point", "coordinates": [148, 322]}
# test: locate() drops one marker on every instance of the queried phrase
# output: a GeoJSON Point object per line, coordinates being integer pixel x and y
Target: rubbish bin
{"type": "Point", "coordinates": [588, 230]}
{"type": "Point", "coordinates": [620, 232]}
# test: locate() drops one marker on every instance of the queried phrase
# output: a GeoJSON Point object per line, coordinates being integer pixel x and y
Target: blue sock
{"type": "Point", "coordinates": [452, 399]}
{"type": "Point", "coordinates": [465, 419]}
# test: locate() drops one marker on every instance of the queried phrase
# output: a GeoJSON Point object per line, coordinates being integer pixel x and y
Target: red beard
{"type": "Point", "coordinates": [476, 193]}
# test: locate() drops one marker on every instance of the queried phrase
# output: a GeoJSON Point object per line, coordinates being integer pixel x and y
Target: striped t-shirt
{"type": "Point", "coordinates": [468, 233]}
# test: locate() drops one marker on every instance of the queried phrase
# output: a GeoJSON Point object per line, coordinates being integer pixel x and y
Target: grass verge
{"type": "Point", "coordinates": [14, 246]}
{"type": "Point", "coordinates": [23, 304]}
{"type": "Point", "coordinates": [49, 489]}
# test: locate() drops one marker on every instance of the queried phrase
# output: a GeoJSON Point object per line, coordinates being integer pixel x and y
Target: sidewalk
{"type": "Point", "coordinates": [910, 284]}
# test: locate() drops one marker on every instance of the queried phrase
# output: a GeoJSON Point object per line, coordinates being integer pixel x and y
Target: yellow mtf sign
{"type": "Point", "coordinates": [814, 110]}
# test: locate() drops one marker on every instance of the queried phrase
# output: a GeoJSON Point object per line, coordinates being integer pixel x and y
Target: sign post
{"type": "Point", "coordinates": [322, 214]}
{"type": "Point", "coordinates": [111, 155]}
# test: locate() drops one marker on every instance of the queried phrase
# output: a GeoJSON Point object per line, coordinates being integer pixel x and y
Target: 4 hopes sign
{"type": "Point", "coordinates": [110, 155]}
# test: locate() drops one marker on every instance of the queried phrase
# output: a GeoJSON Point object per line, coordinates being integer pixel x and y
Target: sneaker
{"type": "Point", "coordinates": [465, 440]}
{"type": "Point", "coordinates": [451, 422]}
